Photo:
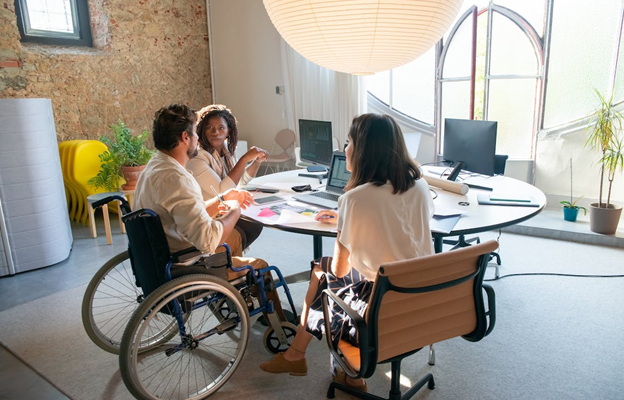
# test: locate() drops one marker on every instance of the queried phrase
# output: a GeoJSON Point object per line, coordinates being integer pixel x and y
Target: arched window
{"type": "Point", "coordinates": [492, 68]}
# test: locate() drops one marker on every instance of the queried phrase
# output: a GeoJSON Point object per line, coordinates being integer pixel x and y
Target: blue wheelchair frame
{"type": "Point", "coordinates": [178, 311]}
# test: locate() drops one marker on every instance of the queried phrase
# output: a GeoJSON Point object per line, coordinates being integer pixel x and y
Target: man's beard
{"type": "Point", "coordinates": [193, 153]}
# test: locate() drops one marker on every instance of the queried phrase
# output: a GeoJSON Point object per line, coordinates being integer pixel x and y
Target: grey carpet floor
{"type": "Point", "coordinates": [555, 338]}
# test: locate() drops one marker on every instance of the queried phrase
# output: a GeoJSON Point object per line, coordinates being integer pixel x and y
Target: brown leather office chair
{"type": "Point", "coordinates": [414, 304]}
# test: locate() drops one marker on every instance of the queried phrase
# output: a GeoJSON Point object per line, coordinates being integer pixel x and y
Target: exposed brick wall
{"type": "Point", "coordinates": [146, 54]}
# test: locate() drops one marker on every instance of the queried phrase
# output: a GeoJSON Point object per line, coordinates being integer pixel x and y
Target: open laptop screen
{"type": "Point", "coordinates": [339, 176]}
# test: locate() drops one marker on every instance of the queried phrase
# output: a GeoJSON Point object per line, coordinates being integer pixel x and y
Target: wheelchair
{"type": "Point", "coordinates": [179, 333]}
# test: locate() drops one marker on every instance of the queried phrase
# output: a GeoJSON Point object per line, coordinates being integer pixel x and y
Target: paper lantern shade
{"type": "Point", "coordinates": [362, 37]}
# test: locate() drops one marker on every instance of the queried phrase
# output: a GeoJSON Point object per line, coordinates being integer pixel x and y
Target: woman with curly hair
{"type": "Point", "coordinates": [216, 166]}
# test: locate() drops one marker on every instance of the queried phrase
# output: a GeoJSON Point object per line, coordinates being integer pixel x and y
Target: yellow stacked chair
{"type": "Point", "coordinates": [80, 162]}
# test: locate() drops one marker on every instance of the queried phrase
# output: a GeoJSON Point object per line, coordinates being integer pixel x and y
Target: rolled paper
{"type": "Point", "coordinates": [445, 184]}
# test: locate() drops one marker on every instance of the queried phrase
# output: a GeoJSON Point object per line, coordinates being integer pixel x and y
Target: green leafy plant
{"type": "Point", "coordinates": [612, 159]}
{"type": "Point", "coordinates": [603, 137]}
{"type": "Point", "coordinates": [124, 150]}
{"type": "Point", "coordinates": [572, 204]}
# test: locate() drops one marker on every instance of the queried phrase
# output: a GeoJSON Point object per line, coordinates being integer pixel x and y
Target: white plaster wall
{"type": "Point", "coordinates": [552, 175]}
{"type": "Point", "coordinates": [247, 68]}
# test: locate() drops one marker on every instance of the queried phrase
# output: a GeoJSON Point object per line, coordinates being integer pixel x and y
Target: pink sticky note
{"type": "Point", "coordinates": [266, 212]}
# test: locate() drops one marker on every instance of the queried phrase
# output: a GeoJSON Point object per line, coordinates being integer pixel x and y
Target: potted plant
{"type": "Point", "coordinates": [603, 127]}
{"type": "Point", "coordinates": [126, 157]}
{"type": "Point", "coordinates": [570, 209]}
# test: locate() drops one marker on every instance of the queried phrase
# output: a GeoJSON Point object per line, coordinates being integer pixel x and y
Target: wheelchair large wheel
{"type": "Point", "coordinates": [193, 364]}
{"type": "Point", "coordinates": [110, 300]}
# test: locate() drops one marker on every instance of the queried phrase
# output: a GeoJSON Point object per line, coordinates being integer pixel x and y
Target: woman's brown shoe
{"type": "Point", "coordinates": [341, 378]}
{"type": "Point", "coordinates": [280, 365]}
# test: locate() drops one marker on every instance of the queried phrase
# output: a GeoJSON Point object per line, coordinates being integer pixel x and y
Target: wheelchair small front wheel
{"type": "Point", "coordinates": [276, 344]}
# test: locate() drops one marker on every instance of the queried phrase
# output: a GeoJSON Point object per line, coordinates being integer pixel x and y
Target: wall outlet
{"type": "Point", "coordinates": [279, 90]}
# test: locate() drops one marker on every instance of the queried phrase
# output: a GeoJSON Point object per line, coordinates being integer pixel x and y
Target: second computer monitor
{"type": "Point", "coordinates": [315, 138]}
{"type": "Point", "coordinates": [473, 142]}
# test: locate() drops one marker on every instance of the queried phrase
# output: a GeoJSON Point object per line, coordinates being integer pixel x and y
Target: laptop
{"type": "Point", "coordinates": [337, 180]}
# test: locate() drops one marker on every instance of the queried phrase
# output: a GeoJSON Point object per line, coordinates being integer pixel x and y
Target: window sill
{"type": "Point", "coordinates": [55, 50]}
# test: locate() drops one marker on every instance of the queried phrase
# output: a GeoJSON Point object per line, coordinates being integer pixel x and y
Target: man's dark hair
{"type": "Point", "coordinates": [217, 110]}
{"type": "Point", "coordinates": [169, 123]}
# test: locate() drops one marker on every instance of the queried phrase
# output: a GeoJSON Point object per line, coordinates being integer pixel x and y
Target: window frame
{"type": "Point", "coordinates": [80, 18]}
{"type": "Point", "coordinates": [541, 47]}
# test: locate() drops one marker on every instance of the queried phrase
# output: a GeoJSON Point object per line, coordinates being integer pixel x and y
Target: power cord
{"type": "Point", "coordinates": [553, 274]}
{"type": "Point", "coordinates": [500, 232]}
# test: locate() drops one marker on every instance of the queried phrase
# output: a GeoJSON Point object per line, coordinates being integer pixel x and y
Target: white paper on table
{"type": "Point", "coordinates": [288, 217]}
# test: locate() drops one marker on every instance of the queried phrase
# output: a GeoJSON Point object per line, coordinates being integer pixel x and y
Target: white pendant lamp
{"type": "Point", "coordinates": [362, 37]}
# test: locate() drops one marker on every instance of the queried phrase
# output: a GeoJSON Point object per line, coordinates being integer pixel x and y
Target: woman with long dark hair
{"type": "Point", "coordinates": [383, 216]}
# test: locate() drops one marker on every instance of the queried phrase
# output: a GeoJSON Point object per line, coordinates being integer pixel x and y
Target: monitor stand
{"type": "Point", "coordinates": [319, 176]}
{"type": "Point", "coordinates": [456, 170]}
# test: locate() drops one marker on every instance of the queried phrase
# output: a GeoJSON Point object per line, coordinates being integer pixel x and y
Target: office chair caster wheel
{"type": "Point", "coordinates": [272, 341]}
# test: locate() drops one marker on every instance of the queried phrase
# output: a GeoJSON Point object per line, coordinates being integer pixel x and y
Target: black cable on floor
{"type": "Point", "coordinates": [554, 274]}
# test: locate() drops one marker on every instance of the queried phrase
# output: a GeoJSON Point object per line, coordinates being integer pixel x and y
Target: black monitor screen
{"type": "Point", "coordinates": [316, 141]}
{"type": "Point", "coordinates": [472, 142]}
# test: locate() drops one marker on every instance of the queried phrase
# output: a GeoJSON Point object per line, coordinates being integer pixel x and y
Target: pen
{"type": "Point", "coordinates": [326, 217]}
{"type": "Point", "coordinates": [218, 195]}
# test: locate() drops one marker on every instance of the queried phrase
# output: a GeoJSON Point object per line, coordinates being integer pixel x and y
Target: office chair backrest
{"type": "Point", "coordinates": [426, 300]}
{"type": "Point", "coordinates": [285, 138]}
{"type": "Point", "coordinates": [148, 247]}
{"type": "Point", "coordinates": [500, 161]}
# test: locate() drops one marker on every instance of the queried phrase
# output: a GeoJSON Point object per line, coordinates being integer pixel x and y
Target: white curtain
{"type": "Point", "coordinates": [317, 93]}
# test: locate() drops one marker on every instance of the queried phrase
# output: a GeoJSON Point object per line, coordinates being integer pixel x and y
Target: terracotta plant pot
{"type": "Point", "coordinates": [570, 214]}
{"type": "Point", "coordinates": [604, 220]}
{"type": "Point", "coordinates": [131, 175]}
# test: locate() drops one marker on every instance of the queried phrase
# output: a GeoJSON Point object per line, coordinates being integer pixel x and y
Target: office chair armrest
{"type": "Point", "coordinates": [332, 343]}
{"type": "Point", "coordinates": [491, 307]}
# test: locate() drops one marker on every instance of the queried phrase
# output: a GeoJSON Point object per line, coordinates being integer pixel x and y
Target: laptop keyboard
{"type": "Point", "coordinates": [326, 195]}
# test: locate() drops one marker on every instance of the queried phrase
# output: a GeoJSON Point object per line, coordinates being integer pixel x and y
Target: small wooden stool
{"type": "Point", "coordinates": [107, 228]}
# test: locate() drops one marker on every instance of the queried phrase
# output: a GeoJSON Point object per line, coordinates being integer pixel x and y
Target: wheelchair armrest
{"type": "Point", "coordinates": [125, 207]}
{"type": "Point", "coordinates": [332, 343]}
{"type": "Point", "coordinates": [491, 307]}
{"type": "Point", "coordinates": [175, 257]}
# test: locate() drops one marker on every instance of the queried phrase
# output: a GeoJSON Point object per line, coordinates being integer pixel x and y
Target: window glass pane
{"type": "Point", "coordinates": [50, 15]}
{"type": "Point", "coordinates": [580, 59]}
{"type": "Point", "coordinates": [532, 10]}
{"type": "Point", "coordinates": [413, 87]}
{"type": "Point", "coordinates": [455, 103]}
{"type": "Point", "coordinates": [481, 4]}
{"type": "Point", "coordinates": [379, 85]}
{"type": "Point", "coordinates": [512, 51]}
{"type": "Point", "coordinates": [457, 61]}
{"type": "Point", "coordinates": [512, 104]}
{"type": "Point", "coordinates": [618, 93]}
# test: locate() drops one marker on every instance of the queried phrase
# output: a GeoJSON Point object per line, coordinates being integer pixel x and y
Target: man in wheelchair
{"type": "Point", "coordinates": [167, 188]}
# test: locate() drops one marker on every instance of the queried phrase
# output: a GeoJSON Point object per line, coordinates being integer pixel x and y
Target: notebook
{"type": "Point", "coordinates": [337, 180]}
{"type": "Point", "coordinates": [494, 200]}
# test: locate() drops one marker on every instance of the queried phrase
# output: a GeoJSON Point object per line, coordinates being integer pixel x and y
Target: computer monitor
{"type": "Point", "coordinates": [315, 138]}
{"type": "Point", "coordinates": [471, 143]}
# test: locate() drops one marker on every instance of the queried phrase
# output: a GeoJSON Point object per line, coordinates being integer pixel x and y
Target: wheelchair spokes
{"type": "Point", "coordinates": [194, 364]}
{"type": "Point", "coordinates": [110, 299]}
